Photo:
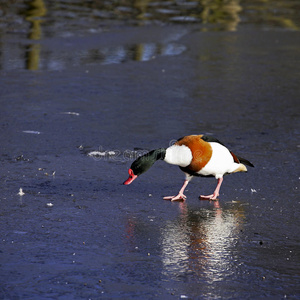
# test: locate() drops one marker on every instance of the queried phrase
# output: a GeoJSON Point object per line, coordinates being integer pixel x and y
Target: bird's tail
{"type": "Point", "coordinates": [245, 161]}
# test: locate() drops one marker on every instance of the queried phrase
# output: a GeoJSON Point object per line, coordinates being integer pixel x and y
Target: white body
{"type": "Point", "coordinates": [221, 161]}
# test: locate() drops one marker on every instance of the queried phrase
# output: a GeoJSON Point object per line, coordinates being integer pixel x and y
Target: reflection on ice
{"type": "Point", "coordinates": [139, 52]}
{"type": "Point", "coordinates": [35, 56]}
{"type": "Point", "coordinates": [42, 20]}
{"type": "Point", "coordinates": [201, 242]}
{"type": "Point", "coordinates": [61, 60]}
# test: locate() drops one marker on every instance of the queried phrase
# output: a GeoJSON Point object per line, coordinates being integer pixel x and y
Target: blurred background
{"type": "Point", "coordinates": [25, 25]}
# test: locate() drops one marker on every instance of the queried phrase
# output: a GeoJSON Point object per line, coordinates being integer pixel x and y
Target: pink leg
{"type": "Point", "coordinates": [180, 195]}
{"type": "Point", "coordinates": [216, 192]}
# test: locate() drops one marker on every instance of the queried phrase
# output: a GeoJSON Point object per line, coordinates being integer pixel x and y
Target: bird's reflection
{"type": "Point", "coordinates": [200, 242]}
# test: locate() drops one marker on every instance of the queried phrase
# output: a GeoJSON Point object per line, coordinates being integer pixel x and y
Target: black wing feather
{"type": "Point", "coordinates": [211, 139]}
{"type": "Point", "coordinates": [245, 161]}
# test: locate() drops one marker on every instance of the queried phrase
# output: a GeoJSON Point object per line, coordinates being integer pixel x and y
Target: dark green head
{"type": "Point", "coordinates": [144, 163]}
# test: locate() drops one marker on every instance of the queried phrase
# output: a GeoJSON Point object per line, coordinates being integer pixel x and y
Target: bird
{"type": "Point", "coordinates": [196, 155]}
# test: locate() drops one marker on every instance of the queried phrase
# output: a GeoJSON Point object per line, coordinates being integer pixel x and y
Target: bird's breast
{"type": "Point", "coordinates": [201, 152]}
{"type": "Point", "coordinates": [179, 155]}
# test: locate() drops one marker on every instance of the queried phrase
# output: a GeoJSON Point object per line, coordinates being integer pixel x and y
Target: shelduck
{"type": "Point", "coordinates": [196, 155]}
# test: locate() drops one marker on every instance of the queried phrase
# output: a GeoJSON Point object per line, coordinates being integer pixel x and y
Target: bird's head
{"type": "Point", "coordinates": [144, 163]}
{"type": "Point", "coordinates": [138, 167]}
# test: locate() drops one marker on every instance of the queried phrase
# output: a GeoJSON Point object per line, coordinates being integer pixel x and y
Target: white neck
{"type": "Point", "coordinates": [178, 155]}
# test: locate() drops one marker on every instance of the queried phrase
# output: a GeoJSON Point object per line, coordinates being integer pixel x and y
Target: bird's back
{"type": "Point", "coordinates": [210, 157]}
